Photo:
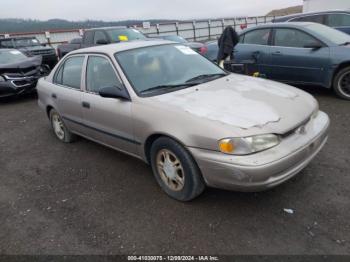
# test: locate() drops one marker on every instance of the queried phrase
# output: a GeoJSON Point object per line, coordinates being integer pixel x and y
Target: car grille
{"type": "Point", "coordinates": [295, 130]}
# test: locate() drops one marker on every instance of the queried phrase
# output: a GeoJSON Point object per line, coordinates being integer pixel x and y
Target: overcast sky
{"type": "Point", "coordinates": [114, 10]}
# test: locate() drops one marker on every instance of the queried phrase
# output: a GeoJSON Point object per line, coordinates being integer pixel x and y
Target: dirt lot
{"type": "Point", "coordinates": [83, 198]}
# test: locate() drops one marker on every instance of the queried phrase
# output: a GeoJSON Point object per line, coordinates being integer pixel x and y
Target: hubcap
{"type": "Point", "coordinates": [170, 170]}
{"type": "Point", "coordinates": [344, 84]}
{"type": "Point", "coordinates": [58, 126]}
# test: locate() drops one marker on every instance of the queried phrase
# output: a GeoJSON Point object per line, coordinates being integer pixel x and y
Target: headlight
{"type": "Point", "coordinates": [248, 145]}
{"type": "Point", "coordinates": [2, 79]}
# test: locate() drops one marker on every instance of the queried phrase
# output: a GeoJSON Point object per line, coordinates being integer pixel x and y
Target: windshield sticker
{"type": "Point", "coordinates": [186, 50]}
{"type": "Point", "coordinates": [123, 38]}
{"type": "Point", "coordinates": [15, 52]}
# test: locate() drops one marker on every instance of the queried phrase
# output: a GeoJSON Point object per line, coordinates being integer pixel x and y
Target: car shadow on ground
{"type": "Point", "coordinates": [18, 99]}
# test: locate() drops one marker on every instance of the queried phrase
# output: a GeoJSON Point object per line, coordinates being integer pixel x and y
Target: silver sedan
{"type": "Point", "coordinates": [195, 124]}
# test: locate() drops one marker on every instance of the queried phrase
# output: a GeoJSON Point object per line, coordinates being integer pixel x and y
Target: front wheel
{"type": "Point", "coordinates": [341, 83]}
{"type": "Point", "coordinates": [175, 170]}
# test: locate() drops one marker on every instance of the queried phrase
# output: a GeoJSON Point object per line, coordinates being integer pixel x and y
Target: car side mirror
{"type": "Point", "coordinates": [102, 42]}
{"type": "Point", "coordinates": [114, 92]}
{"type": "Point", "coordinates": [314, 46]}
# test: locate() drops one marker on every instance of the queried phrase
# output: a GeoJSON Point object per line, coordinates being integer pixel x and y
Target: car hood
{"type": "Point", "coordinates": [36, 48]}
{"type": "Point", "coordinates": [246, 103]}
{"type": "Point", "coordinates": [24, 64]}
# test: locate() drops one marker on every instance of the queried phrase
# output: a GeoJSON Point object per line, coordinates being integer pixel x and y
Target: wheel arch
{"type": "Point", "coordinates": [340, 67]}
{"type": "Point", "coordinates": [153, 137]}
{"type": "Point", "coordinates": [48, 110]}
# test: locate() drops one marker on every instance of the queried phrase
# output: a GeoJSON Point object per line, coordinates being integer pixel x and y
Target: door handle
{"type": "Point", "coordinates": [85, 105]}
{"type": "Point", "coordinates": [277, 53]}
{"type": "Point", "coordinates": [54, 96]}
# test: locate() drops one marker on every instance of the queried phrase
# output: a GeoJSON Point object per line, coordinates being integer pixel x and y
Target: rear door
{"type": "Point", "coordinates": [67, 92]}
{"type": "Point", "coordinates": [292, 59]}
{"type": "Point", "coordinates": [109, 119]}
{"type": "Point", "coordinates": [254, 49]}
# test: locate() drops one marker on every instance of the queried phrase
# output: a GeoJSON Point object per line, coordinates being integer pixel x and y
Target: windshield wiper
{"type": "Point", "coordinates": [165, 87]}
{"type": "Point", "coordinates": [205, 77]}
{"type": "Point", "coordinates": [346, 43]}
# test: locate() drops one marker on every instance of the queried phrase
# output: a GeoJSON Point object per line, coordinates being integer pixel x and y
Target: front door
{"type": "Point", "coordinates": [295, 60]}
{"type": "Point", "coordinates": [109, 120]}
{"type": "Point", "coordinates": [253, 51]}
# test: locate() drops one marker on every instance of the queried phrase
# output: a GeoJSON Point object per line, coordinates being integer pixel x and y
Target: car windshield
{"type": "Point", "coordinates": [26, 42]}
{"type": "Point", "coordinates": [166, 68]}
{"type": "Point", "coordinates": [175, 38]}
{"type": "Point", "coordinates": [333, 35]}
{"type": "Point", "coordinates": [11, 56]}
{"type": "Point", "coordinates": [125, 34]}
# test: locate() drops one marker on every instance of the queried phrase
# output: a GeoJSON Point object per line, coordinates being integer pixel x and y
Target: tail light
{"type": "Point", "coordinates": [203, 50]}
{"type": "Point", "coordinates": [244, 26]}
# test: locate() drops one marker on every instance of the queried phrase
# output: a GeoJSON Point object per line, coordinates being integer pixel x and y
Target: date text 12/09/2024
{"type": "Point", "coordinates": [173, 258]}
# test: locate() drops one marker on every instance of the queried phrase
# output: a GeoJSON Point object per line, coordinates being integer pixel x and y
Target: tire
{"type": "Point", "coordinates": [186, 171]}
{"type": "Point", "coordinates": [341, 89]}
{"type": "Point", "coordinates": [64, 135]}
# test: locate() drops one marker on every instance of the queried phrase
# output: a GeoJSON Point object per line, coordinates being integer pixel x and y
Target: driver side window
{"type": "Point", "coordinates": [99, 36]}
{"type": "Point", "coordinates": [100, 74]}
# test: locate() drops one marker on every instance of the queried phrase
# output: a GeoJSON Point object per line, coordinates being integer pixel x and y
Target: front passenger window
{"type": "Point", "coordinates": [293, 38]}
{"type": "Point", "coordinates": [100, 74]}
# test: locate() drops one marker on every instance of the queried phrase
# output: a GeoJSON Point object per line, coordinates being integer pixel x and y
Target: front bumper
{"type": "Point", "coordinates": [267, 169]}
{"type": "Point", "coordinates": [14, 88]}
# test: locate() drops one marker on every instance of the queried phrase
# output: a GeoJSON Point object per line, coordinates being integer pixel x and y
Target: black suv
{"type": "Point", "coordinates": [31, 47]}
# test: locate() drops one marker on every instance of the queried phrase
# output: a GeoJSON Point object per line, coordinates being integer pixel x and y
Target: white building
{"type": "Point", "coordinates": [324, 5]}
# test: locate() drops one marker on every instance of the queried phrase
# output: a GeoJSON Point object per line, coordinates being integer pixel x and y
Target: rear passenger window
{"type": "Point", "coordinates": [293, 38]}
{"type": "Point", "coordinates": [320, 19]}
{"type": "Point", "coordinates": [338, 20]}
{"type": "Point", "coordinates": [257, 37]}
{"type": "Point", "coordinates": [100, 74]}
{"type": "Point", "coordinates": [69, 73]}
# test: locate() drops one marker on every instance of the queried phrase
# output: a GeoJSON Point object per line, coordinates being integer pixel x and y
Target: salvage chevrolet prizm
{"type": "Point", "coordinates": [195, 124]}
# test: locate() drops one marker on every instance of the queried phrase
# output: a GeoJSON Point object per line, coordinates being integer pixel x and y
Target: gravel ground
{"type": "Point", "coordinates": [83, 198]}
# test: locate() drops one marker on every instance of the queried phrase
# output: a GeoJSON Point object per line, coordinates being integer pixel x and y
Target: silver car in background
{"type": "Point", "coordinates": [195, 124]}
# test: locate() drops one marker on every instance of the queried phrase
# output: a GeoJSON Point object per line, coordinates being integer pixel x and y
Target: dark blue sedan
{"type": "Point", "coordinates": [297, 53]}
{"type": "Point", "coordinates": [337, 19]}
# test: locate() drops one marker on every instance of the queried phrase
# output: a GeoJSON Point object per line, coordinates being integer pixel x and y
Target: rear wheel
{"type": "Point", "coordinates": [175, 170]}
{"type": "Point", "coordinates": [59, 128]}
{"type": "Point", "coordinates": [341, 83]}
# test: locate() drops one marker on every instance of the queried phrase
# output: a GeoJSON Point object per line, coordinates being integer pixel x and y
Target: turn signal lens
{"type": "Point", "coordinates": [226, 146]}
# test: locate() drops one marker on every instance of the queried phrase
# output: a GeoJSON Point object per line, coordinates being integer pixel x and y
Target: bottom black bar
{"type": "Point", "coordinates": [147, 258]}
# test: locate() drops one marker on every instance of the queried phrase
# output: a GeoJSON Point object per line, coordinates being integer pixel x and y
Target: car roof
{"type": "Point", "coordinates": [286, 25]}
{"type": "Point", "coordinates": [111, 49]}
{"type": "Point", "coordinates": [287, 17]}
{"type": "Point", "coordinates": [106, 28]}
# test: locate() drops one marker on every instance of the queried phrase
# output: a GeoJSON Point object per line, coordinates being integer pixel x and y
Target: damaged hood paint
{"type": "Point", "coordinates": [245, 102]}
{"type": "Point", "coordinates": [23, 64]}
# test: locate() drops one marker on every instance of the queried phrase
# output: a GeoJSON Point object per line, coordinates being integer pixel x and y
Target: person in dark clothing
{"type": "Point", "coordinates": [227, 42]}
